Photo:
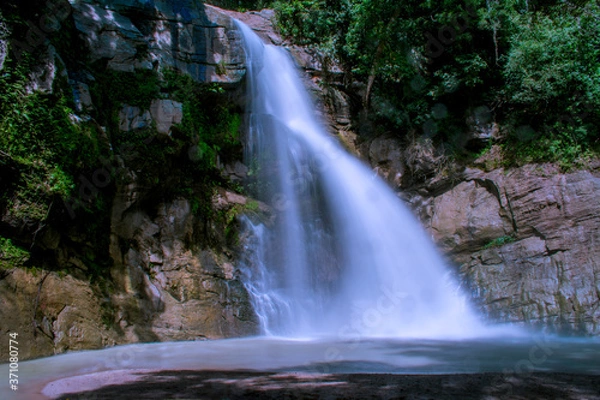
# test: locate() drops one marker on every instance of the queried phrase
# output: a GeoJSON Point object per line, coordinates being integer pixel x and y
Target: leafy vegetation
{"type": "Point", "coordinates": [501, 241]}
{"type": "Point", "coordinates": [112, 88]}
{"type": "Point", "coordinates": [48, 149]}
{"type": "Point", "coordinates": [241, 5]}
{"type": "Point", "coordinates": [10, 255]}
{"type": "Point", "coordinates": [42, 143]}
{"type": "Point", "coordinates": [533, 64]}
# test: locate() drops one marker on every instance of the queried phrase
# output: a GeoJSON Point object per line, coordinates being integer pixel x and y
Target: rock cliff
{"type": "Point", "coordinates": [164, 262]}
{"type": "Point", "coordinates": [525, 240]}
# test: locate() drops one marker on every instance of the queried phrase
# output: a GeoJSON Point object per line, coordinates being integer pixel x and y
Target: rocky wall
{"type": "Point", "coordinates": [173, 273]}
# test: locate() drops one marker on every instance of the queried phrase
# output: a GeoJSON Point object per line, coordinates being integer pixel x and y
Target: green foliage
{"type": "Point", "coordinates": [308, 21]}
{"type": "Point", "coordinates": [11, 256]}
{"type": "Point", "coordinates": [551, 73]}
{"type": "Point", "coordinates": [533, 63]}
{"type": "Point", "coordinates": [38, 135]}
{"type": "Point", "coordinates": [111, 89]}
{"type": "Point", "coordinates": [252, 206]}
{"type": "Point", "coordinates": [209, 120]}
{"type": "Point", "coordinates": [241, 5]}
{"type": "Point", "coordinates": [501, 241]}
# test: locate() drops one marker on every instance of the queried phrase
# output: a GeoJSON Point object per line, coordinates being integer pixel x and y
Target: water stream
{"type": "Point", "coordinates": [344, 281]}
{"type": "Point", "coordinates": [345, 256]}
{"type": "Point", "coordinates": [508, 356]}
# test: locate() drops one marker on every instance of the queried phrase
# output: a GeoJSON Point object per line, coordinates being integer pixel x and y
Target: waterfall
{"type": "Point", "coordinates": [344, 256]}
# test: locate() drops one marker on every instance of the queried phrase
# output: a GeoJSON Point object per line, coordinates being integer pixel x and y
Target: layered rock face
{"type": "Point", "coordinates": [170, 288]}
{"type": "Point", "coordinates": [174, 273]}
{"type": "Point", "coordinates": [184, 35]}
{"type": "Point", "coordinates": [525, 240]}
{"type": "Point", "coordinates": [52, 314]}
{"type": "Point", "coordinates": [164, 286]}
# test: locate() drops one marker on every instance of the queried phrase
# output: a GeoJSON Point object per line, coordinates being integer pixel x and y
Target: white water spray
{"type": "Point", "coordinates": [344, 257]}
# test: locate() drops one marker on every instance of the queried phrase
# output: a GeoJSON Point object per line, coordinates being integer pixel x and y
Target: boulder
{"type": "Point", "coordinates": [132, 118]}
{"type": "Point", "coordinates": [166, 113]}
{"type": "Point", "coordinates": [48, 68]}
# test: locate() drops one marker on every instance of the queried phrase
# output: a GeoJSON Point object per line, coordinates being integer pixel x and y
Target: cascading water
{"type": "Point", "coordinates": [344, 257]}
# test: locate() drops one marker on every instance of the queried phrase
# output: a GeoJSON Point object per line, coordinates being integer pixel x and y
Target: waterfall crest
{"type": "Point", "coordinates": [345, 257]}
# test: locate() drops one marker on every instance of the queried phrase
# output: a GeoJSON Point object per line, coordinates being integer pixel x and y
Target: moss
{"type": "Point", "coordinates": [252, 206]}
{"type": "Point", "coordinates": [221, 68]}
{"type": "Point", "coordinates": [11, 256]}
{"type": "Point", "coordinates": [229, 219]}
{"type": "Point", "coordinates": [501, 241]}
{"type": "Point", "coordinates": [112, 89]}
{"type": "Point", "coordinates": [39, 137]}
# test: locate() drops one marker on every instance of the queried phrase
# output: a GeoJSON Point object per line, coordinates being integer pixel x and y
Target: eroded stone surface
{"type": "Point", "coordinates": [51, 314]}
{"type": "Point", "coordinates": [170, 287]}
{"type": "Point", "coordinates": [526, 240]}
{"type": "Point", "coordinates": [186, 35]}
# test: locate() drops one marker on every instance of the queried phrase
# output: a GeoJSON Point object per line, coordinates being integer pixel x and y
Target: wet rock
{"type": "Point", "coordinates": [262, 23]}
